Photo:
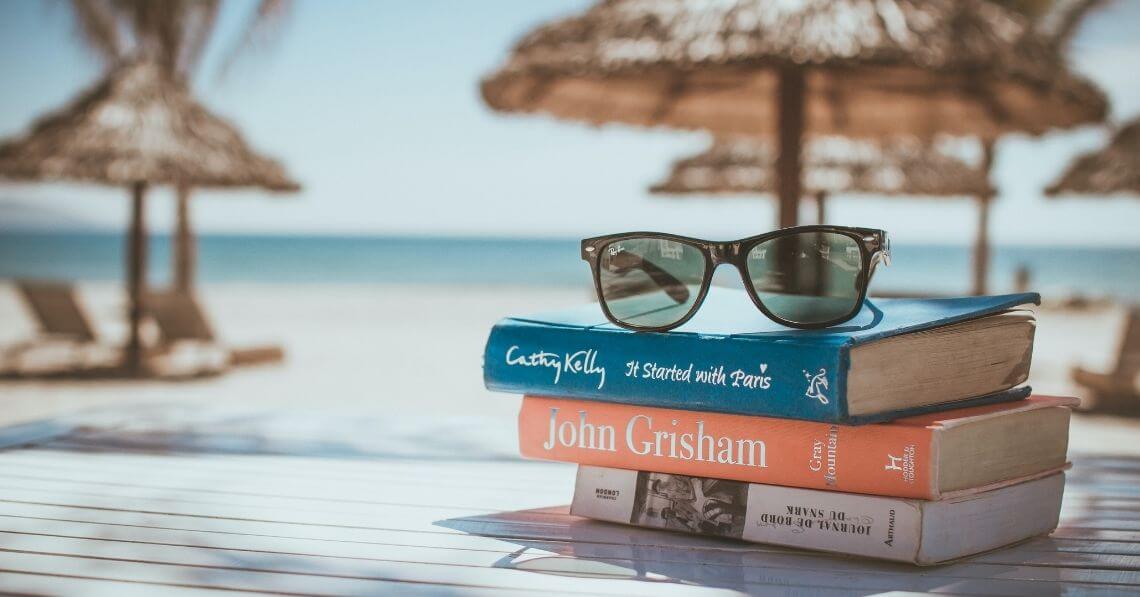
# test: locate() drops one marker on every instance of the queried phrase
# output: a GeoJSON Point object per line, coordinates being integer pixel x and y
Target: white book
{"type": "Point", "coordinates": [906, 530]}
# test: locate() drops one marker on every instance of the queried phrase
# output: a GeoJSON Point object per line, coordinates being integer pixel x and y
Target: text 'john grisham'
{"type": "Point", "coordinates": [585, 362]}
{"type": "Point", "coordinates": [642, 437]}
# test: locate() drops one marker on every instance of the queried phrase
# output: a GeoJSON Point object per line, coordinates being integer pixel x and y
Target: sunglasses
{"type": "Point", "coordinates": [803, 277]}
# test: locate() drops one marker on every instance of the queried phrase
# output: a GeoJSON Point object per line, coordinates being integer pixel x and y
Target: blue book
{"type": "Point", "coordinates": [896, 358]}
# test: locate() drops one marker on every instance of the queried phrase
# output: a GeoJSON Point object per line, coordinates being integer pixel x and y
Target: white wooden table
{"type": "Point", "coordinates": [182, 501]}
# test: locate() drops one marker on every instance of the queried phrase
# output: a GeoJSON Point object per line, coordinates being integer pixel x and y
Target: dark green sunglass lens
{"type": "Point", "coordinates": [807, 278]}
{"type": "Point", "coordinates": [650, 282]}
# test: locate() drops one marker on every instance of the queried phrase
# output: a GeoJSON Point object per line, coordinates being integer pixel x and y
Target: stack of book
{"type": "Point", "coordinates": [905, 434]}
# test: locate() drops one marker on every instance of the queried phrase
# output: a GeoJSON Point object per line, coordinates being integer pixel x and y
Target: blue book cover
{"type": "Point", "coordinates": [728, 358]}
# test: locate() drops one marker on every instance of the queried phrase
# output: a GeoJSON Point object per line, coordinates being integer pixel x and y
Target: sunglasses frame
{"type": "Point", "coordinates": [874, 248]}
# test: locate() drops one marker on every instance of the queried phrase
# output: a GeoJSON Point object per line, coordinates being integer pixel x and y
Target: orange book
{"type": "Point", "coordinates": [928, 456]}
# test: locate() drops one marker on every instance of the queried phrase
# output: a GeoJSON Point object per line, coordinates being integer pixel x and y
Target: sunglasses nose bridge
{"type": "Point", "coordinates": [723, 253]}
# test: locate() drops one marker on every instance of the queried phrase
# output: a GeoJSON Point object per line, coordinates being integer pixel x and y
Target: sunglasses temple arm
{"type": "Point", "coordinates": [883, 257]}
{"type": "Point", "coordinates": [876, 313]}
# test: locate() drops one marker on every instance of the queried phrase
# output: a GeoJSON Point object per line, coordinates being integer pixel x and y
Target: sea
{"type": "Point", "coordinates": [1056, 272]}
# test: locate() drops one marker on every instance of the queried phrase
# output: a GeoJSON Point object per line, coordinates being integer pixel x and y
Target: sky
{"type": "Point", "coordinates": [374, 108]}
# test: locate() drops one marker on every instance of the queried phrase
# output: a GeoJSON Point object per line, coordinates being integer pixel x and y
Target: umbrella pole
{"type": "Point", "coordinates": [820, 206]}
{"type": "Point", "coordinates": [184, 250]}
{"type": "Point", "coordinates": [982, 241]}
{"type": "Point", "coordinates": [790, 127]}
{"type": "Point", "coordinates": [136, 276]}
{"type": "Point", "coordinates": [981, 245]}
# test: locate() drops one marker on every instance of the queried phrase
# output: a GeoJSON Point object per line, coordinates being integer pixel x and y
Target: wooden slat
{"type": "Point", "coordinates": [558, 480]}
{"type": "Point", "coordinates": [262, 498]}
{"type": "Point", "coordinates": [25, 582]}
{"type": "Point", "coordinates": [488, 471]}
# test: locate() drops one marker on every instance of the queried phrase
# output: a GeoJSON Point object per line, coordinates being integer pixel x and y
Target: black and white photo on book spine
{"type": "Point", "coordinates": [690, 504]}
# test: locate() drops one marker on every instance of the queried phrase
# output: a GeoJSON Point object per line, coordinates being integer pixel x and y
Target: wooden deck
{"type": "Point", "coordinates": [130, 503]}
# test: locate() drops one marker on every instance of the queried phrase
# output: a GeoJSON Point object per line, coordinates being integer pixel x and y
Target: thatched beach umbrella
{"type": "Point", "coordinates": [833, 165]}
{"type": "Point", "coordinates": [1114, 170]}
{"type": "Point", "coordinates": [743, 166]}
{"type": "Point", "coordinates": [136, 128]}
{"type": "Point", "coordinates": [860, 68]}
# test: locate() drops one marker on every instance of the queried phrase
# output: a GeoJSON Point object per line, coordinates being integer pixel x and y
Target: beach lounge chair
{"type": "Point", "coordinates": [57, 310]}
{"type": "Point", "coordinates": [63, 324]}
{"type": "Point", "coordinates": [182, 322]}
{"type": "Point", "coordinates": [1115, 392]}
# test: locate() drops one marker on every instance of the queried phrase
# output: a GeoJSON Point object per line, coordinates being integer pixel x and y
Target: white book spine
{"type": "Point", "coordinates": [873, 526]}
{"type": "Point", "coordinates": [906, 530]}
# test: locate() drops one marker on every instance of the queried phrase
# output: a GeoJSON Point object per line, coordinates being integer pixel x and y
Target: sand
{"type": "Point", "coordinates": [417, 350]}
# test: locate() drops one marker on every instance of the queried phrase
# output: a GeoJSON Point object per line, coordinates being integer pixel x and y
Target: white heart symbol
{"type": "Point", "coordinates": [763, 367]}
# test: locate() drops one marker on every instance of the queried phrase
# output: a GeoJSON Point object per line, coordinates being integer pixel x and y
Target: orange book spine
{"type": "Point", "coordinates": [884, 459]}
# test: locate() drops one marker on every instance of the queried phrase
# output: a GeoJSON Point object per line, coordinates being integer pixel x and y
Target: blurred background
{"type": "Point", "coordinates": [327, 205]}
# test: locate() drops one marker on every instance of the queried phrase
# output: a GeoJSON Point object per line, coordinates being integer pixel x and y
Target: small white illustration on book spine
{"type": "Point", "coordinates": [816, 385]}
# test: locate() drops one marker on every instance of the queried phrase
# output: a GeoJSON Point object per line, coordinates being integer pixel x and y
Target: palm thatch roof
{"type": "Point", "coordinates": [1114, 169]}
{"type": "Point", "coordinates": [874, 68]}
{"type": "Point", "coordinates": [833, 165]}
{"type": "Point", "coordinates": [139, 125]}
